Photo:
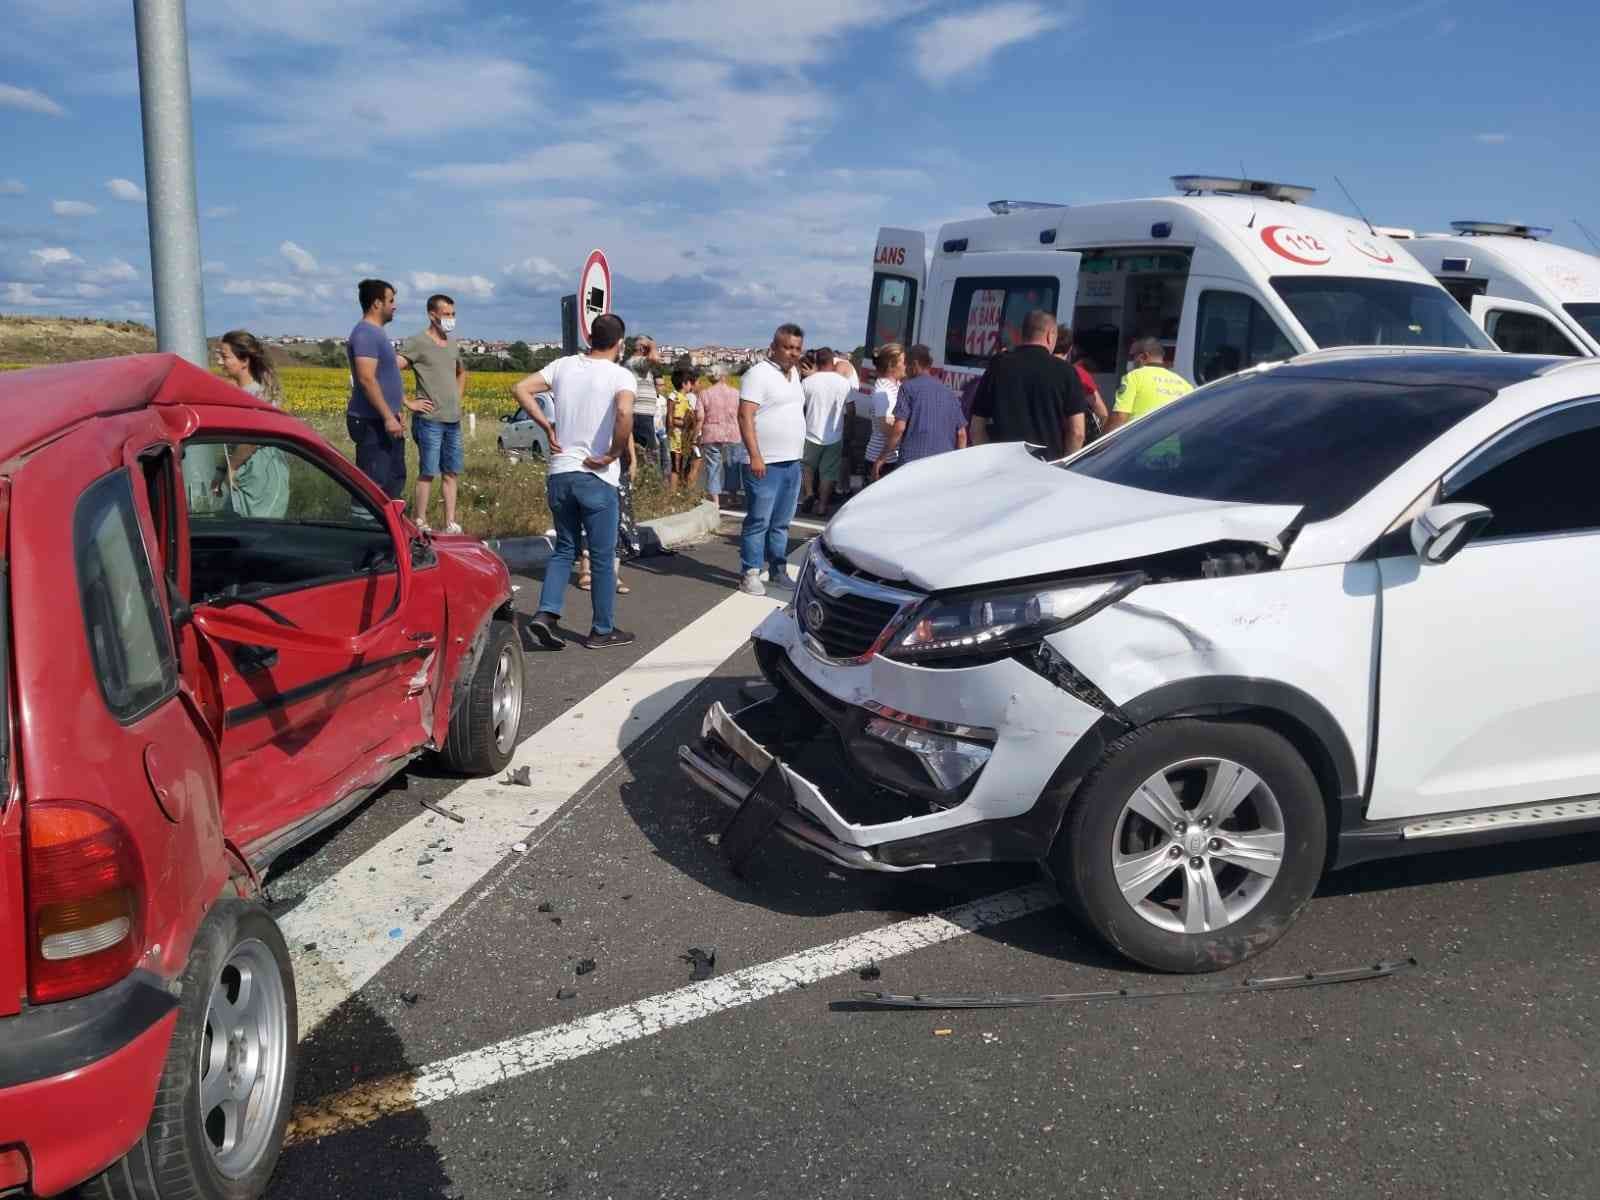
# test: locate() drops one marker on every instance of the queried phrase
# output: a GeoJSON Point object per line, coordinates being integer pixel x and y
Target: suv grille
{"type": "Point", "coordinates": [842, 615]}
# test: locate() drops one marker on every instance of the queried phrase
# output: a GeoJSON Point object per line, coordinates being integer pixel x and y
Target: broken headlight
{"type": "Point", "coordinates": [949, 761]}
{"type": "Point", "coordinates": [983, 623]}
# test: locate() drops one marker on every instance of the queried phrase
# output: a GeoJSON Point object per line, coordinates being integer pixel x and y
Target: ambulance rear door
{"type": "Point", "coordinates": [980, 300]}
{"type": "Point", "coordinates": [899, 271]}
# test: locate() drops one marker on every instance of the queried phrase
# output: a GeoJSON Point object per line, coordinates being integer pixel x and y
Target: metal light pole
{"type": "Point", "coordinates": [163, 39]}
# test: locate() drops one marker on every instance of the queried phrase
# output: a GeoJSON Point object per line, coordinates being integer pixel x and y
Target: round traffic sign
{"type": "Point", "coordinates": [594, 291]}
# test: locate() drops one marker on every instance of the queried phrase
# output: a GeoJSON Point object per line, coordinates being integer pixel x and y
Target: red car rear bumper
{"type": "Point", "coordinates": [104, 1054]}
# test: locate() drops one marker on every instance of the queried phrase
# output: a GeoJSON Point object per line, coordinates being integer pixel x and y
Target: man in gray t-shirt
{"type": "Point", "coordinates": [435, 358]}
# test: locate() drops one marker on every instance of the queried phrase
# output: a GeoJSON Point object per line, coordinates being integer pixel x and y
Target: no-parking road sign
{"type": "Point", "coordinates": [594, 291]}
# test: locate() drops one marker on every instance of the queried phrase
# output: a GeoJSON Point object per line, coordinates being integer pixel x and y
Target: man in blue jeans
{"type": "Point", "coordinates": [772, 425]}
{"type": "Point", "coordinates": [592, 396]}
{"type": "Point", "coordinates": [377, 396]}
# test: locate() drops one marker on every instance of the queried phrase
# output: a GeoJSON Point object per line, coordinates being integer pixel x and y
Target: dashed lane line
{"type": "Point", "coordinates": [362, 917]}
{"type": "Point", "coordinates": [516, 1057]}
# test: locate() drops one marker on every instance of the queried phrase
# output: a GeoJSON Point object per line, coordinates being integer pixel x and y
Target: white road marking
{"type": "Point", "coordinates": [377, 905]}
{"type": "Point", "coordinates": [796, 523]}
{"type": "Point", "coordinates": [546, 1048]}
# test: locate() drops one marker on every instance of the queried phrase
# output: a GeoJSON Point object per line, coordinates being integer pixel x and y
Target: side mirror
{"type": "Point", "coordinates": [1444, 530]}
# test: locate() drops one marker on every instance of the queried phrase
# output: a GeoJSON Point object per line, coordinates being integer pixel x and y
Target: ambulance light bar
{"type": "Point", "coordinates": [1291, 192]}
{"type": "Point", "coordinates": [1001, 207]}
{"type": "Point", "coordinates": [1506, 228]}
{"type": "Point", "coordinates": [1395, 232]}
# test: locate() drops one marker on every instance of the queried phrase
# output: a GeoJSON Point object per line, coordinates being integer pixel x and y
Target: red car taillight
{"type": "Point", "coordinates": [85, 896]}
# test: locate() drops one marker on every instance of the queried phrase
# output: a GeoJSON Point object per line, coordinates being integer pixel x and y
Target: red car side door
{"type": "Point", "coordinates": [324, 651]}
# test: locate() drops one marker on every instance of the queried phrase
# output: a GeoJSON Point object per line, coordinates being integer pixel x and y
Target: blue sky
{"type": "Point", "coordinates": [736, 159]}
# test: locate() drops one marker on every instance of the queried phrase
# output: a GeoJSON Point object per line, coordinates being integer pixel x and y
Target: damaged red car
{"type": "Point", "coordinates": [216, 637]}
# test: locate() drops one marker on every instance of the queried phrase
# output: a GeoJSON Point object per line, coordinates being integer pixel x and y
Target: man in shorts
{"type": "Point", "coordinates": [826, 392]}
{"type": "Point", "coordinates": [434, 358]}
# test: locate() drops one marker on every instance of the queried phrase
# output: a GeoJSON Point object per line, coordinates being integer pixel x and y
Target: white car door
{"type": "Point", "coordinates": [1489, 674]}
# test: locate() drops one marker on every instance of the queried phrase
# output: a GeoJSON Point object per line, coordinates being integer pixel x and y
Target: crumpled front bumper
{"type": "Point", "coordinates": [727, 762]}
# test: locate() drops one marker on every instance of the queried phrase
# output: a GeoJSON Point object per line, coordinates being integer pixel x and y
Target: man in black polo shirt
{"type": "Point", "coordinates": [1029, 395]}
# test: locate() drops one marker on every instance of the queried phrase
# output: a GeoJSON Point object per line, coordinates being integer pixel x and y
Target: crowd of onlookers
{"type": "Point", "coordinates": [802, 432]}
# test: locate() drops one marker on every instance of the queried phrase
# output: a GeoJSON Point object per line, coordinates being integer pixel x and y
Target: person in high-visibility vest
{"type": "Point", "coordinates": [1147, 385]}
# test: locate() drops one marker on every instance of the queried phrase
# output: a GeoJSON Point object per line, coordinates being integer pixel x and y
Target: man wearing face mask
{"type": "Point", "coordinates": [1147, 385]}
{"type": "Point", "coordinates": [434, 357]}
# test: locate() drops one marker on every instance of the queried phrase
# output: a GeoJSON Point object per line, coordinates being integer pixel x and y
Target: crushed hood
{"type": "Point", "coordinates": [995, 513]}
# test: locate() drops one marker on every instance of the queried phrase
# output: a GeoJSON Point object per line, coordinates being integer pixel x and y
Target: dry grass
{"type": "Point", "coordinates": [36, 340]}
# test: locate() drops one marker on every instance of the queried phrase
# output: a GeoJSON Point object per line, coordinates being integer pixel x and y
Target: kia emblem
{"type": "Point", "coordinates": [814, 615]}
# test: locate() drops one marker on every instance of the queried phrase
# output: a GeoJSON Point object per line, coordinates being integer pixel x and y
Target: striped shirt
{"type": "Point", "coordinates": [933, 417]}
{"type": "Point", "coordinates": [881, 408]}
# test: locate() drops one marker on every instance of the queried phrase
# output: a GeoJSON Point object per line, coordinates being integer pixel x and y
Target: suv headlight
{"type": "Point", "coordinates": [984, 623]}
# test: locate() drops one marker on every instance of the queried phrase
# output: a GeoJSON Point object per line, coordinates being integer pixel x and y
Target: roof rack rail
{"type": "Point", "coordinates": [1228, 185]}
{"type": "Point", "coordinates": [1504, 228]}
{"type": "Point", "coordinates": [1001, 207]}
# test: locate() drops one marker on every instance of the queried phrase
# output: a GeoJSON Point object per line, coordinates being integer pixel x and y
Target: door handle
{"type": "Point", "coordinates": [422, 635]}
{"type": "Point", "coordinates": [251, 659]}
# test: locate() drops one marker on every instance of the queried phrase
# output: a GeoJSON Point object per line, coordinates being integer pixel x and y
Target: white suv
{"type": "Point", "coordinates": [1318, 613]}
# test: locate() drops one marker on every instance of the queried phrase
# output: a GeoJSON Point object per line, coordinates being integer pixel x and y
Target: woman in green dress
{"type": "Point", "coordinates": [255, 479]}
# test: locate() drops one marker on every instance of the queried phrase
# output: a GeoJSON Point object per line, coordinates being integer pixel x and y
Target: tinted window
{"type": "Point", "coordinates": [986, 314]}
{"type": "Point", "coordinates": [1235, 333]}
{"type": "Point", "coordinates": [129, 640]}
{"type": "Point", "coordinates": [280, 521]}
{"type": "Point", "coordinates": [894, 304]}
{"type": "Point", "coordinates": [1587, 315]}
{"type": "Point", "coordinates": [1526, 333]}
{"type": "Point", "coordinates": [1351, 311]}
{"type": "Point", "coordinates": [1539, 479]}
{"type": "Point", "coordinates": [1280, 439]}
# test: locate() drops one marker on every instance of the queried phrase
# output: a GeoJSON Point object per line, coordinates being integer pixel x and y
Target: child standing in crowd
{"type": "Point", "coordinates": [684, 423]}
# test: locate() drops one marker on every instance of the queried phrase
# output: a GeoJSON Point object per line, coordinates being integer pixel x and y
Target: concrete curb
{"type": "Point", "coordinates": [528, 555]}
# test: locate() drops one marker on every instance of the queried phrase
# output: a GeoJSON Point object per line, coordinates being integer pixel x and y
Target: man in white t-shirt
{"type": "Point", "coordinates": [593, 402]}
{"type": "Point", "coordinates": [772, 424]}
{"type": "Point", "coordinates": [826, 392]}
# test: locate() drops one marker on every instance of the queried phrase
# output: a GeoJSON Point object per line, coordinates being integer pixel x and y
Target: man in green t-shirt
{"type": "Point", "coordinates": [434, 357]}
{"type": "Point", "coordinates": [1148, 384]}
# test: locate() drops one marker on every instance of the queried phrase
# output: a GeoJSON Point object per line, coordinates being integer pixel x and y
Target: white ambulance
{"type": "Point", "coordinates": [1531, 296]}
{"type": "Point", "coordinates": [1228, 273]}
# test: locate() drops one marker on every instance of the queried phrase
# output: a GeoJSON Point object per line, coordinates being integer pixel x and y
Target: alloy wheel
{"type": "Point", "coordinates": [507, 700]}
{"type": "Point", "coordinates": [1198, 845]}
{"type": "Point", "coordinates": [243, 1058]}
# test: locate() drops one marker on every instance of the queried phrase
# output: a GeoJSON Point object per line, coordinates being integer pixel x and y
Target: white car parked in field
{"type": "Point", "coordinates": [1317, 613]}
{"type": "Point", "coordinates": [519, 432]}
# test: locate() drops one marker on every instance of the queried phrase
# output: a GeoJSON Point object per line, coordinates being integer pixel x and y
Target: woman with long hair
{"type": "Point", "coordinates": [255, 479]}
{"type": "Point", "coordinates": [890, 360]}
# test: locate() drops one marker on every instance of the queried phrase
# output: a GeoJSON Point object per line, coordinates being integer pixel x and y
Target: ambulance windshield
{"type": "Point", "coordinates": [1353, 311]}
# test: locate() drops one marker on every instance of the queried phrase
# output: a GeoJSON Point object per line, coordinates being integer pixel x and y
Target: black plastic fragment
{"type": "Point", "coordinates": [702, 963]}
{"type": "Point", "coordinates": [870, 972]}
{"type": "Point", "coordinates": [756, 817]}
{"type": "Point", "coordinates": [566, 994]}
{"type": "Point", "coordinates": [409, 999]}
{"type": "Point", "coordinates": [585, 965]}
{"type": "Point", "coordinates": [864, 1001]}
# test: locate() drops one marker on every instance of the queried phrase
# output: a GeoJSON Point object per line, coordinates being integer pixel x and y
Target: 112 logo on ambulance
{"type": "Point", "coordinates": [1296, 245]}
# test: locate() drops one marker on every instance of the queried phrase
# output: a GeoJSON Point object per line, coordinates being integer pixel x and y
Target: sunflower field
{"type": "Point", "coordinates": [324, 391]}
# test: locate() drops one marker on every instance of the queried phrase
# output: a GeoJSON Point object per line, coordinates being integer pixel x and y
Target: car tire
{"type": "Point", "coordinates": [1196, 891]}
{"type": "Point", "coordinates": [483, 732]}
{"type": "Point", "coordinates": [238, 973]}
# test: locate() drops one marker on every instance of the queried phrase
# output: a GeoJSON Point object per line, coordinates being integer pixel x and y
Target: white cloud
{"type": "Point", "coordinates": [125, 189]}
{"type": "Point", "coordinates": [218, 212]}
{"type": "Point", "coordinates": [72, 208]}
{"type": "Point", "coordinates": [755, 34]}
{"type": "Point", "coordinates": [263, 289]}
{"type": "Point", "coordinates": [1492, 139]}
{"type": "Point", "coordinates": [365, 268]}
{"type": "Point", "coordinates": [12, 187]}
{"type": "Point", "coordinates": [213, 267]}
{"type": "Point", "coordinates": [29, 100]}
{"type": "Point", "coordinates": [475, 287]}
{"type": "Point", "coordinates": [298, 113]}
{"type": "Point", "coordinates": [1355, 24]}
{"type": "Point", "coordinates": [301, 259]}
{"type": "Point", "coordinates": [115, 271]}
{"type": "Point", "coordinates": [589, 161]}
{"type": "Point", "coordinates": [963, 43]}
{"type": "Point", "coordinates": [54, 256]}
{"type": "Point", "coordinates": [22, 295]}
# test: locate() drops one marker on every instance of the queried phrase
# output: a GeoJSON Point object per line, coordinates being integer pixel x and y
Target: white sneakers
{"type": "Point", "coordinates": [453, 527]}
{"type": "Point", "coordinates": [751, 584]}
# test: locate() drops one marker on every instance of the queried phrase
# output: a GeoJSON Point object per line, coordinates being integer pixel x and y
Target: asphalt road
{"type": "Point", "coordinates": [1470, 1076]}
